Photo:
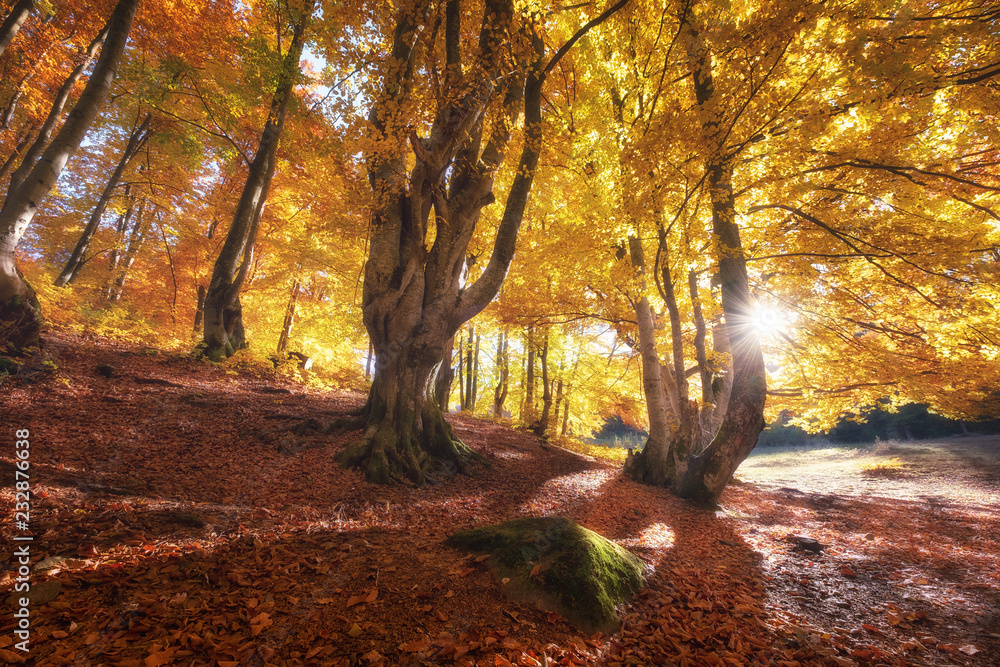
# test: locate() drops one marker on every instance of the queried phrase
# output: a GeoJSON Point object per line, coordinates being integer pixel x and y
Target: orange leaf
{"type": "Point", "coordinates": [372, 595]}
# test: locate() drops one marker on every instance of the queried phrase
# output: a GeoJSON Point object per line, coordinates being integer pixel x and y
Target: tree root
{"type": "Point", "coordinates": [390, 454]}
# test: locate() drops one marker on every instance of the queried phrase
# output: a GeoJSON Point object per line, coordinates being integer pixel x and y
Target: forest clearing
{"type": "Point", "coordinates": [178, 543]}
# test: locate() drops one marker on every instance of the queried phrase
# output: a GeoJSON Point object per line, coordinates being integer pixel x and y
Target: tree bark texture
{"type": "Point", "coordinates": [20, 315]}
{"type": "Point", "coordinates": [224, 332]}
{"type": "Point", "coordinates": [710, 471]}
{"type": "Point", "coordinates": [286, 325]}
{"type": "Point", "coordinates": [416, 295]}
{"type": "Point", "coordinates": [140, 135]}
{"type": "Point", "coordinates": [12, 24]}
{"type": "Point", "coordinates": [503, 375]}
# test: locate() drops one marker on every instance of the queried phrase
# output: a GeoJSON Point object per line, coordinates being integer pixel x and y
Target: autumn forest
{"type": "Point", "coordinates": [294, 292]}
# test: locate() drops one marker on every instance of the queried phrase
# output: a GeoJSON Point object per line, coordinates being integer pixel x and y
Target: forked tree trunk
{"type": "Point", "coordinates": [415, 294]}
{"type": "Point", "coordinates": [140, 135]}
{"type": "Point", "coordinates": [224, 332]}
{"type": "Point", "coordinates": [20, 315]}
{"type": "Point", "coordinates": [710, 471]}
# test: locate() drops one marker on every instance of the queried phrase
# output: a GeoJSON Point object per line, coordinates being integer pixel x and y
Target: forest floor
{"type": "Point", "coordinates": [173, 523]}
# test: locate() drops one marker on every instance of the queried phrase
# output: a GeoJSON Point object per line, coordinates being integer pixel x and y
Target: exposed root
{"type": "Point", "coordinates": [390, 454]}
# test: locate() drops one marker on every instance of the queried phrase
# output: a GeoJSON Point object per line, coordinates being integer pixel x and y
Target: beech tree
{"type": "Point", "coordinates": [428, 194]}
{"type": "Point", "coordinates": [223, 314]}
{"type": "Point", "coordinates": [20, 317]}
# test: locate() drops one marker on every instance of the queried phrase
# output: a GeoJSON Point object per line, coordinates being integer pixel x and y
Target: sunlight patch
{"type": "Point", "coordinates": [657, 536]}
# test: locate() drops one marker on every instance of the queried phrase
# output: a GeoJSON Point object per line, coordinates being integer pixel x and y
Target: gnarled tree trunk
{"type": "Point", "coordinates": [703, 476]}
{"type": "Point", "coordinates": [415, 292]}
{"type": "Point", "coordinates": [20, 315]}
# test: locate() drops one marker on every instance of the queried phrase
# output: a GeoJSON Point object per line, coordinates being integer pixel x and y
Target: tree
{"type": "Point", "coordinates": [15, 19]}
{"type": "Point", "coordinates": [137, 139]}
{"type": "Point", "coordinates": [415, 298]}
{"type": "Point", "coordinates": [20, 317]}
{"type": "Point", "coordinates": [223, 314]}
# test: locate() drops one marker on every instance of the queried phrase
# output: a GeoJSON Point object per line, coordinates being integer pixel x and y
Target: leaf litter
{"type": "Point", "coordinates": [177, 529]}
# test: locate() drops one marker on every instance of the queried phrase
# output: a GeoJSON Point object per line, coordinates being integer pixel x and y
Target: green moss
{"type": "Point", "coordinates": [580, 574]}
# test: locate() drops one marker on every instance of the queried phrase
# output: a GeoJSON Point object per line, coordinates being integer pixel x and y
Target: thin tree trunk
{"type": "Point", "coordinates": [199, 313]}
{"type": "Point", "coordinates": [707, 412]}
{"type": "Point", "coordinates": [684, 439]}
{"type": "Point", "coordinates": [475, 373]}
{"type": "Point", "coordinates": [12, 24]}
{"type": "Point", "coordinates": [559, 395]}
{"type": "Point", "coordinates": [461, 373]}
{"type": "Point", "coordinates": [529, 381]}
{"type": "Point", "coordinates": [224, 332]}
{"type": "Point", "coordinates": [652, 464]}
{"type": "Point", "coordinates": [20, 316]}
{"type": "Point", "coordinates": [542, 428]}
{"type": "Point", "coordinates": [286, 325]}
{"type": "Point", "coordinates": [134, 243]}
{"type": "Point", "coordinates": [41, 142]}
{"type": "Point", "coordinates": [12, 158]}
{"type": "Point", "coordinates": [140, 135]}
{"type": "Point", "coordinates": [565, 421]}
{"type": "Point", "coordinates": [470, 372]}
{"type": "Point", "coordinates": [445, 377]}
{"type": "Point", "coordinates": [368, 363]}
{"type": "Point", "coordinates": [503, 375]}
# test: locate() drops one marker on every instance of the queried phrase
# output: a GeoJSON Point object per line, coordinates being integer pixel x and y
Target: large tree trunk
{"type": "Point", "coordinates": [12, 24]}
{"type": "Point", "coordinates": [20, 316]}
{"type": "Point", "coordinates": [224, 332]}
{"type": "Point", "coordinates": [415, 294]}
{"type": "Point", "coordinates": [41, 142]}
{"type": "Point", "coordinates": [710, 471]}
{"type": "Point", "coordinates": [140, 135]}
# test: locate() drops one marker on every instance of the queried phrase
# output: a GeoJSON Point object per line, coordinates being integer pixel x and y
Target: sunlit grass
{"type": "Point", "coordinates": [884, 468]}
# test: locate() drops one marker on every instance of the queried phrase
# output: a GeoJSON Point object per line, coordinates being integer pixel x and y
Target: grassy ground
{"type": "Point", "coordinates": [963, 469]}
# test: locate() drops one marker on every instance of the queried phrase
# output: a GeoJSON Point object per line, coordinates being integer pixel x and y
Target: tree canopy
{"type": "Point", "coordinates": [557, 200]}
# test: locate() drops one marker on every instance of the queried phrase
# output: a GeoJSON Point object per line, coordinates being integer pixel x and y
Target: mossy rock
{"type": "Point", "coordinates": [577, 573]}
